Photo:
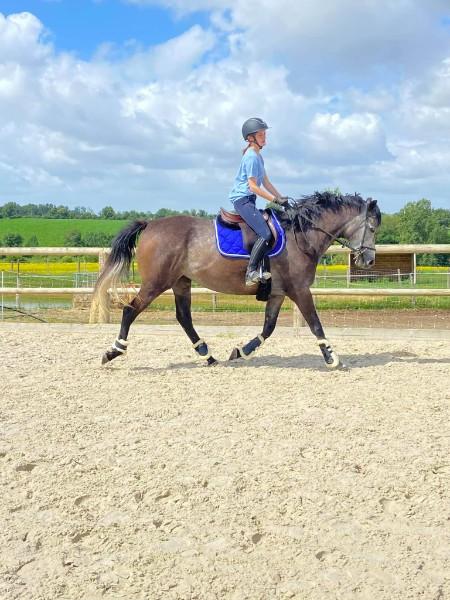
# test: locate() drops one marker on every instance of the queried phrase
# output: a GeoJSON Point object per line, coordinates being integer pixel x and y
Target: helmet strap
{"type": "Point", "coordinates": [254, 142]}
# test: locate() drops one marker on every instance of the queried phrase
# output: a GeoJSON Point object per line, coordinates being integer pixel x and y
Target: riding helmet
{"type": "Point", "coordinates": [252, 126]}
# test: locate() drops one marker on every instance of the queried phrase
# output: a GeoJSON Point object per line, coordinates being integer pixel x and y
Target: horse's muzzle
{"type": "Point", "coordinates": [365, 260]}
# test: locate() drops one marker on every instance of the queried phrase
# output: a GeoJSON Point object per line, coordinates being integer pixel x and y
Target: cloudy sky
{"type": "Point", "coordinates": [139, 103]}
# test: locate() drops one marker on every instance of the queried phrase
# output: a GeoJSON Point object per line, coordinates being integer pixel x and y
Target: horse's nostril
{"type": "Point", "coordinates": [370, 263]}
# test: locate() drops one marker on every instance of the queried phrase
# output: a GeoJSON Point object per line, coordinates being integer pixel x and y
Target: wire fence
{"type": "Point", "coordinates": [213, 308]}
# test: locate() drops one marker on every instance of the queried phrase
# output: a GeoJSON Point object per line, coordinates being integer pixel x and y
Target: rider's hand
{"type": "Point", "coordinates": [282, 201]}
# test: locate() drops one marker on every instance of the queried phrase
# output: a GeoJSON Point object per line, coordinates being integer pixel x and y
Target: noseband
{"type": "Point", "coordinates": [356, 250]}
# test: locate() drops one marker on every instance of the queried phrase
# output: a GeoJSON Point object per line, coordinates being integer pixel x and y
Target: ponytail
{"type": "Point", "coordinates": [245, 149]}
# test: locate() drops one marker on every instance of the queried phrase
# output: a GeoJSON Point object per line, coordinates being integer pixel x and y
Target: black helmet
{"type": "Point", "coordinates": [252, 126]}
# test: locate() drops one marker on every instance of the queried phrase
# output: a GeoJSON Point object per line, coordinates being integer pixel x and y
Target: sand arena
{"type": "Point", "coordinates": [158, 478]}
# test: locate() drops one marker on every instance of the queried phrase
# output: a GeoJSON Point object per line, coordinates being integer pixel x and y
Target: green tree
{"type": "Point", "coordinates": [97, 239]}
{"type": "Point", "coordinates": [420, 224]}
{"type": "Point", "coordinates": [389, 230]}
{"type": "Point", "coordinates": [416, 221]}
{"type": "Point", "coordinates": [11, 240]}
{"type": "Point", "coordinates": [11, 209]}
{"type": "Point", "coordinates": [32, 242]}
{"type": "Point", "coordinates": [73, 239]}
{"type": "Point", "coordinates": [107, 213]}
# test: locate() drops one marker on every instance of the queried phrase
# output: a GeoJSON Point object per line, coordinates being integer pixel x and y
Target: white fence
{"type": "Point", "coordinates": [101, 253]}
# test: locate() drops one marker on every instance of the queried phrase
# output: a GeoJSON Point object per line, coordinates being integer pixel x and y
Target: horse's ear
{"type": "Point", "coordinates": [371, 203]}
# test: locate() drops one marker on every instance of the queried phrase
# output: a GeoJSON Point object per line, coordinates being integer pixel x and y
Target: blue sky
{"type": "Point", "coordinates": [80, 26]}
{"type": "Point", "coordinates": [139, 103]}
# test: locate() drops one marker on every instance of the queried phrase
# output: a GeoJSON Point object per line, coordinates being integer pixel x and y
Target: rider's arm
{"type": "Point", "coordinates": [270, 187]}
{"type": "Point", "coordinates": [259, 191]}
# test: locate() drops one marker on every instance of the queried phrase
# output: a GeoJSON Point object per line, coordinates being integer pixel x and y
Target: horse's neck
{"type": "Point", "coordinates": [333, 223]}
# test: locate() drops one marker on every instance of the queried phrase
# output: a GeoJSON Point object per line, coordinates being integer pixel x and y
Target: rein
{"type": "Point", "coordinates": [357, 251]}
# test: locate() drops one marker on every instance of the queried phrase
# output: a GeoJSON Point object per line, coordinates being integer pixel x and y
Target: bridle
{"type": "Point", "coordinates": [356, 250]}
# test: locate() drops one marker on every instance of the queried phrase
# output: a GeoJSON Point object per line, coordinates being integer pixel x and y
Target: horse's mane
{"type": "Point", "coordinates": [311, 208]}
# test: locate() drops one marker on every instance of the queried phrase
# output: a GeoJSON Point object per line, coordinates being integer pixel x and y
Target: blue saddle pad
{"type": "Point", "coordinates": [229, 240]}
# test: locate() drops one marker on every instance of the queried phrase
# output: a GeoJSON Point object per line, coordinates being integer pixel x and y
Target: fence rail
{"type": "Point", "coordinates": [314, 291]}
{"type": "Point", "coordinates": [103, 315]}
{"type": "Point", "coordinates": [380, 248]}
{"type": "Point", "coordinates": [102, 253]}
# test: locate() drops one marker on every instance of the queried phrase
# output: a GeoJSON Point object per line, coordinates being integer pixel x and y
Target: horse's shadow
{"type": "Point", "coordinates": [309, 361]}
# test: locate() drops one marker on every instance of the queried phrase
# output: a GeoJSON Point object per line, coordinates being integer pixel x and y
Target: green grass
{"type": "Point", "coordinates": [52, 232]}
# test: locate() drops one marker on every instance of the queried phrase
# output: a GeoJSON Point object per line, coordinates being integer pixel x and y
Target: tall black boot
{"type": "Point", "coordinates": [258, 252]}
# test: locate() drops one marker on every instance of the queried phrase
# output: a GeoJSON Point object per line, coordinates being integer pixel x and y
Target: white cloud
{"type": "Point", "coordinates": [354, 139]}
{"type": "Point", "coordinates": [327, 42]}
{"type": "Point", "coordinates": [20, 39]}
{"type": "Point", "coordinates": [143, 128]}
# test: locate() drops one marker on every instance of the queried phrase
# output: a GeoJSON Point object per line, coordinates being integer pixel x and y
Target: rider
{"type": "Point", "coordinates": [250, 181]}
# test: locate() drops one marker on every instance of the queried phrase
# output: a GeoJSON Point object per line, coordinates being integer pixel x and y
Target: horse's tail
{"type": "Point", "coordinates": [117, 265]}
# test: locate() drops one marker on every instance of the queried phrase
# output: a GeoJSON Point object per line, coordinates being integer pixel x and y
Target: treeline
{"type": "Point", "coordinates": [12, 210]}
{"type": "Point", "coordinates": [416, 223]}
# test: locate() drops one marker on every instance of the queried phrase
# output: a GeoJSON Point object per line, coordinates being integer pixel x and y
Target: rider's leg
{"type": "Point", "coordinates": [247, 209]}
{"type": "Point", "coordinates": [259, 250]}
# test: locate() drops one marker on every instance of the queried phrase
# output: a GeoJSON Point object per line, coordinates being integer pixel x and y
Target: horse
{"type": "Point", "coordinates": [174, 251]}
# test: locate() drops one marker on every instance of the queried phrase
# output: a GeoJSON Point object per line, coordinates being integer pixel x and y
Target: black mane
{"type": "Point", "coordinates": [311, 208]}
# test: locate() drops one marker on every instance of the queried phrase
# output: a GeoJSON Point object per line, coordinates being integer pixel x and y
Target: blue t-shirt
{"type": "Point", "coordinates": [252, 165]}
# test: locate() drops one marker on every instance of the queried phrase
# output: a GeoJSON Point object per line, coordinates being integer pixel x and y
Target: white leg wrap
{"type": "Point", "coordinates": [199, 343]}
{"type": "Point", "coordinates": [116, 346]}
{"type": "Point", "coordinates": [250, 354]}
{"type": "Point", "coordinates": [334, 356]}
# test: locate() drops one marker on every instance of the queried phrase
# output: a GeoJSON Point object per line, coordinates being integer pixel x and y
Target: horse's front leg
{"type": "Point", "coordinates": [304, 300]}
{"type": "Point", "coordinates": [272, 311]}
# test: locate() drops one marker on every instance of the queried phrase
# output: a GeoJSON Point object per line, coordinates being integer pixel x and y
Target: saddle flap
{"type": "Point", "coordinates": [230, 217]}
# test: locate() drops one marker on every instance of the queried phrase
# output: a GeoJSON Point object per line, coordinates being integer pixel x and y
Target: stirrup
{"type": "Point", "coordinates": [252, 277]}
{"type": "Point", "coordinates": [264, 275]}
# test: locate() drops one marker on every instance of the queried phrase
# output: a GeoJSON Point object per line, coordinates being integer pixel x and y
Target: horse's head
{"type": "Point", "coordinates": [361, 231]}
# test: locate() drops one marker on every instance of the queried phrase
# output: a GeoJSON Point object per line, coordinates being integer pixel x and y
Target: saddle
{"type": "Point", "coordinates": [235, 221]}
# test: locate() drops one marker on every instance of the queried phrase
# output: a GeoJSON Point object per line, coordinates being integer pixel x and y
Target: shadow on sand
{"type": "Point", "coordinates": [309, 361]}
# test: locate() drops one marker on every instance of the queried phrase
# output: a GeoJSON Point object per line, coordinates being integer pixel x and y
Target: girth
{"type": "Point", "coordinates": [235, 221]}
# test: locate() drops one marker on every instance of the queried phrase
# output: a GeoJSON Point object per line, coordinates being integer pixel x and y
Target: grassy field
{"type": "Point", "coordinates": [52, 232]}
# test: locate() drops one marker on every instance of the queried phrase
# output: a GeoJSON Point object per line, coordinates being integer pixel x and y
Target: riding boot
{"type": "Point", "coordinates": [258, 252]}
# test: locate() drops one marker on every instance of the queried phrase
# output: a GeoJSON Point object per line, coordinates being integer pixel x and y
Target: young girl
{"type": "Point", "coordinates": [251, 181]}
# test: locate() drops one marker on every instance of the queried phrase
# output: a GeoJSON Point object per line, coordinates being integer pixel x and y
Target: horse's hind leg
{"type": "Point", "coordinates": [182, 291]}
{"type": "Point", "coordinates": [304, 300]}
{"type": "Point", "coordinates": [145, 296]}
{"type": "Point", "coordinates": [273, 307]}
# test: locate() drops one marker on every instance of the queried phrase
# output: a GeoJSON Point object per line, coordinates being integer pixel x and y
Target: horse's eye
{"type": "Point", "coordinates": [372, 228]}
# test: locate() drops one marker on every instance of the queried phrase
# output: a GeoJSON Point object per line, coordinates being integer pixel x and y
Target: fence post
{"type": "Point", "coordinates": [18, 286]}
{"type": "Point", "coordinates": [349, 269]}
{"type": "Point", "coordinates": [297, 318]}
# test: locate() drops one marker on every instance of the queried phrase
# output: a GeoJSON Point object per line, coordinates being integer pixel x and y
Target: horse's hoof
{"type": "Point", "coordinates": [334, 366]}
{"type": "Point", "coordinates": [110, 355]}
{"type": "Point", "coordinates": [212, 362]}
{"type": "Point", "coordinates": [235, 354]}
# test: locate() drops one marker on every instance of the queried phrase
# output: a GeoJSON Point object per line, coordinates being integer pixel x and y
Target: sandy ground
{"type": "Point", "coordinates": [156, 477]}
